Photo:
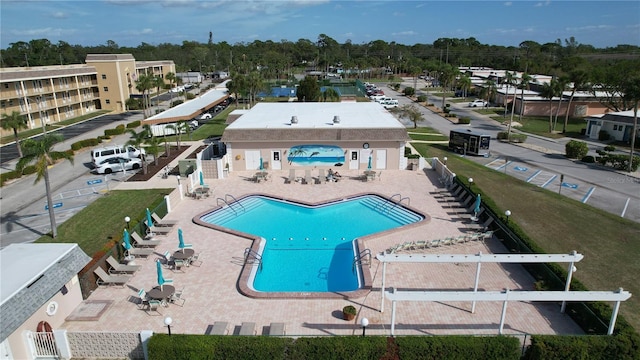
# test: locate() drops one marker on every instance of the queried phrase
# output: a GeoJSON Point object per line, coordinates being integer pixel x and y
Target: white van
{"type": "Point", "coordinates": [125, 151]}
{"type": "Point", "coordinates": [389, 104]}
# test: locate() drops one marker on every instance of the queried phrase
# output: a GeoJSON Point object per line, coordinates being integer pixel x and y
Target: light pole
{"type": "Point", "coordinates": [444, 159]}
{"type": "Point", "coordinates": [507, 214]}
{"type": "Point", "coordinates": [364, 322]}
{"type": "Point", "coordinates": [127, 220]}
{"type": "Point", "coordinates": [470, 183]}
{"type": "Point", "coordinates": [167, 321]}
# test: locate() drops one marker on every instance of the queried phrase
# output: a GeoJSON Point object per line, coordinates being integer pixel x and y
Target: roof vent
{"type": "Point", "coordinates": [294, 120]}
{"type": "Point", "coordinates": [336, 120]}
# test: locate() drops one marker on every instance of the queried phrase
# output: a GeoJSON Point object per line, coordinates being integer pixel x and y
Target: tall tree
{"type": "Point", "coordinates": [509, 79]}
{"type": "Point", "coordinates": [464, 82]}
{"type": "Point", "coordinates": [309, 90]}
{"type": "Point", "coordinates": [578, 78]}
{"type": "Point", "coordinates": [15, 122]}
{"type": "Point", "coordinates": [409, 111]}
{"type": "Point", "coordinates": [524, 85]}
{"type": "Point", "coordinates": [548, 91]}
{"type": "Point", "coordinates": [447, 75]}
{"type": "Point", "coordinates": [172, 78]}
{"type": "Point", "coordinates": [40, 152]}
{"type": "Point", "coordinates": [144, 84]}
{"type": "Point", "coordinates": [632, 92]}
{"type": "Point", "coordinates": [158, 83]}
{"type": "Point", "coordinates": [136, 140]}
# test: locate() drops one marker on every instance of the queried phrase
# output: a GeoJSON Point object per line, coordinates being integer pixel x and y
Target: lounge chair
{"type": "Point", "coordinates": [157, 230]}
{"type": "Point", "coordinates": [118, 268]}
{"type": "Point", "coordinates": [218, 328]}
{"type": "Point", "coordinates": [163, 222]}
{"type": "Point", "coordinates": [247, 329]}
{"type": "Point", "coordinates": [141, 252]}
{"type": "Point", "coordinates": [106, 279]}
{"type": "Point", "coordinates": [277, 329]}
{"type": "Point", "coordinates": [307, 177]}
{"type": "Point", "coordinates": [144, 242]}
{"type": "Point", "coordinates": [321, 176]}
{"type": "Point", "coordinates": [292, 176]}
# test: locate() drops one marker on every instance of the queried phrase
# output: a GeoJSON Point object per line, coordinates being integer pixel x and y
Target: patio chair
{"type": "Point", "coordinates": [307, 177]}
{"type": "Point", "coordinates": [105, 279]}
{"type": "Point", "coordinates": [178, 265]}
{"type": "Point", "coordinates": [247, 329]}
{"type": "Point", "coordinates": [178, 297]}
{"type": "Point", "coordinates": [292, 176]}
{"type": "Point", "coordinates": [144, 299]}
{"type": "Point", "coordinates": [144, 242]}
{"type": "Point", "coordinates": [277, 329]}
{"type": "Point", "coordinates": [154, 305]}
{"type": "Point", "coordinates": [321, 177]}
{"type": "Point", "coordinates": [163, 222]}
{"type": "Point", "coordinates": [196, 258]}
{"type": "Point", "coordinates": [141, 252]}
{"type": "Point", "coordinates": [117, 268]}
{"type": "Point", "coordinates": [218, 328]}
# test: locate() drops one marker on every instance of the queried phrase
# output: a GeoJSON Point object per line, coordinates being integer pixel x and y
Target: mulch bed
{"type": "Point", "coordinates": [153, 169]}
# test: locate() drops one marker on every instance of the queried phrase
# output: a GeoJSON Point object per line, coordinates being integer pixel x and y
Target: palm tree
{"type": "Point", "coordinates": [465, 84]}
{"type": "Point", "coordinates": [548, 91]}
{"type": "Point", "coordinates": [144, 84]}
{"type": "Point", "coordinates": [158, 82]}
{"type": "Point", "coordinates": [491, 86]}
{"type": "Point", "coordinates": [136, 140]}
{"type": "Point", "coordinates": [172, 78]}
{"type": "Point", "coordinates": [447, 75]}
{"type": "Point", "coordinates": [509, 79]}
{"type": "Point", "coordinates": [524, 84]}
{"type": "Point", "coordinates": [579, 78]}
{"type": "Point", "coordinates": [41, 154]}
{"type": "Point", "coordinates": [410, 112]}
{"type": "Point", "coordinates": [179, 127]}
{"type": "Point", "coordinates": [561, 85]}
{"type": "Point", "coordinates": [14, 121]}
{"type": "Point", "coordinates": [631, 90]}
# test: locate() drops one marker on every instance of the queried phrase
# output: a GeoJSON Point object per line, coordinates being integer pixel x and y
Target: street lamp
{"type": "Point", "coordinates": [127, 220]}
{"type": "Point", "coordinates": [167, 321]}
{"type": "Point", "coordinates": [507, 214]}
{"type": "Point", "coordinates": [444, 160]}
{"type": "Point", "coordinates": [178, 177]}
{"type": "Point", "coordinates": [364, 322]}
{"type": "Point", "coordinates": [470, 183]}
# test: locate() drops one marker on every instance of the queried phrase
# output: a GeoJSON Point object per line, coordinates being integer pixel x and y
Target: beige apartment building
{"type": "Point", "coordinates": [50, 94]}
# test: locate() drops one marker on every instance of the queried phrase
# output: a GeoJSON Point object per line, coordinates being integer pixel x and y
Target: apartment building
{"type": "Point", "coordinates": [50, 94]}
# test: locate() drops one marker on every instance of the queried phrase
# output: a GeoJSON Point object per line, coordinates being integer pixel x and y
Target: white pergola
{"type": "Point", "coordinates": [479, 258]}
{"type": "Point", "coordinates": [506, 296]}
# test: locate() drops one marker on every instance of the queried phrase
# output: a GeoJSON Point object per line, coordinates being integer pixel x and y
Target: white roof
{"type": "Point", "coordinates": [316, 115]}
{"type": "Point", "coordinates": [21, 264]}
{"type": "Point", "coordinates": [192, 106]}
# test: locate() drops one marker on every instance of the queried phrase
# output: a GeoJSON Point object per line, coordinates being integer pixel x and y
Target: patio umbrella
{"type": "Point", "coordinates": [149, 221]}
{"type": "Point", "coordinates": [261, 165]}
{"type": "Point", "coordinates": [201, 179]}
{"type": "Point", "coordinates": [369, 165]}
{"type": "Point", "coordinates": [161, 280]}
{"type": "Point", "coordinates": [476, 207]}
{"type": "Point", "coordinates": [180, 240]}
{"type": "Point", "coordinates": [127, 240]}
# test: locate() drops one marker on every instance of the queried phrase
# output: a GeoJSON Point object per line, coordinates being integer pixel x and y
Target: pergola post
{"type": "Point", "coordinates": [475, 285]}
{"type": "Point", "coordinates": [504, 311]}
{"type": "Point", "coordinates": [384, 273]}
{"type": "Point", "coordinates": [567, 285]}
{"type": "Point", "coordinates": [614, 315]}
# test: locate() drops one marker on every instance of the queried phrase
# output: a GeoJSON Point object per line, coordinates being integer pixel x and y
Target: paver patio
{"type": "Point", "coordinates": [211, 289]}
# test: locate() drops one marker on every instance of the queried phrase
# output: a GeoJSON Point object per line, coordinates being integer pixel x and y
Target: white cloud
{"type": "Point", "coordinates": [545, 3]}
{"type": "Point", "coordinates": [404, 33]}
{"type": "Point", "coordinates": [590, 28]}
{"type": "Point", "coordinates": [59, 15]}
{"type": "Point", "coordinates": [508, 3]}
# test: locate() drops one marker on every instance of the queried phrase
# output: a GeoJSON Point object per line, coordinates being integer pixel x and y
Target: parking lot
{"type": "Point", "coordinates": [579, 190]}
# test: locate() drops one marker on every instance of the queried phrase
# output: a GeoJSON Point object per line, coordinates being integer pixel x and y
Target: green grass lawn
{"type": "Point", "coordinates": [540, 125]}
{"type": "Point", "coordinates": [103, 220]}
{"type": "Point", "coordinates": [559, 225]}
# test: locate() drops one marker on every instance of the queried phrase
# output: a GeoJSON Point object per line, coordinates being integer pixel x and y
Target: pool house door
{"type": "Point", "coordinates": [252, 159]}
{"type": "Point", "coordinates": [381, 159]}
{"type": "Point", "coordinates": [275, 160]}
{"type": "Point", "coordinates": [353, 162]}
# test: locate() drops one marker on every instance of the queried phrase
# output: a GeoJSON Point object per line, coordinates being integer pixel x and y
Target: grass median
{"type": "Point", "coordinates": [102, 222]}
{"type": "Point", "coordinates": [559, 224]}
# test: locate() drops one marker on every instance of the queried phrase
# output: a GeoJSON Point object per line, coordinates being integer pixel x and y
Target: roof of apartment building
{"type": "Point", "coordinates": [108, 57]}
{"type": "Point", "coordinates": [41, 72]}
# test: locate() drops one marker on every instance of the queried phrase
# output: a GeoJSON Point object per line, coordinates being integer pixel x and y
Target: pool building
{"type": "Point", "coordinates": [282, 136]}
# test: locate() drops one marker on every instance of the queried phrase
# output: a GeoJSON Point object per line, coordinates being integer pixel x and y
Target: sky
{"type": "Point", "coordinates": [132, 22]}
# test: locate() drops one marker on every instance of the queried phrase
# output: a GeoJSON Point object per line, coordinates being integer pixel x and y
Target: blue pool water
{"type": "Point", "coordinates": [310, 249]}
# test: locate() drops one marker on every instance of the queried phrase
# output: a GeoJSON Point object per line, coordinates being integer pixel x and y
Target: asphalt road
{"type": "Point", "coordinates": [546, 166]}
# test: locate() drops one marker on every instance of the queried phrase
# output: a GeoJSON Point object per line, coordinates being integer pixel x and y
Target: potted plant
{"type": "Point", "coordinates": [349, 312]}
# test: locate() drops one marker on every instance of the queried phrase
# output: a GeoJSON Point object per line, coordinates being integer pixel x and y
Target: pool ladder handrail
{"type": "Point", "coordinates": [395, 203]}
{"type": "Point", "coordinates": [252, 257]}
{"type": "Point", "coordinates": [363, 258]}
{"type": "Point", "coordinates": [235, 201]}
{"type": "Point", "coordinates": [225, 201]}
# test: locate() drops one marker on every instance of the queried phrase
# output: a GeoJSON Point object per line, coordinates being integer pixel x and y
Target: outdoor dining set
{"type": "Point", "coordinates": [165, 292]}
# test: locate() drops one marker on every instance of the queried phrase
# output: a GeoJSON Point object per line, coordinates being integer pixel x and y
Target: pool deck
{"type": "Point", "coordinates": [212, 295]}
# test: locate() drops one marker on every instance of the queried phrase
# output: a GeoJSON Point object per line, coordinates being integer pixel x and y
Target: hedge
{"type": "Point", "coordinates": [517, 138]}
{"type": "Point", "coordinates": [464, 120]}
{"type": "Point", "coordinates": [597, 347]}
{"type": "Point", "coordinates": [133, 124]}
{"type": "Point", "coordinates": [84, 143]}
{"type": "Point", "coordinates": [459, 347]}
{"type": "Point", "coordinates": [576, 149]}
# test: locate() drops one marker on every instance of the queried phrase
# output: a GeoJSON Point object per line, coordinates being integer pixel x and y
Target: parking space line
{"type": "Point", "coordinates": [588, 195]}
{"type": "Point", "coordinates": [626, 204]}
{"type": "Point", "coordinates": [533, 176]}
{"type": "Point", "coordinates": [503, 165]}
{"type": "Point", "coordinates": [549, 181]}
{"type": "Point", "coordinates": [490, 163]}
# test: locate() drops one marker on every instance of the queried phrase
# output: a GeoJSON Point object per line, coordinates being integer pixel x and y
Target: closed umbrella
{"type": "Point", "coordinates": [127, 240]}
{"type": "Point", "coordinates": [149, 220]}
{"type": "Point", "coordinates": [369, 165]}
{"type": "Point", "coordinates": [161, 280]}
{"type": "Point", "coordinates": [201, 179]}
{"type": "Point", "coordinates": [261, 164]}
{"type": "Point", "coordinates": [180, 240]}
{"type": "Point", "coordinates": [476, 208]}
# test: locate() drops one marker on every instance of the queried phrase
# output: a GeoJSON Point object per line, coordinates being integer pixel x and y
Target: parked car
{"type": "Point", "coordinates": [118, 164]}
{"type": "Point", "coordinates": [205, 116]}
{"type": "Point", "coordinates": [390, 104]}
{"type": "Point", "coordinates": [478, 103]}
{"type": "Point", "coordinates": [98, 155]}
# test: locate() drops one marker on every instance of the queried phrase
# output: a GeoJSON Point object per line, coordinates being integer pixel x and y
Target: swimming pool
{"type": "Point", "coordinates": [309, 248]}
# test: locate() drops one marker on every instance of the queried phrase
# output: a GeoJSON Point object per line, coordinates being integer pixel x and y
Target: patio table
{"type": "Point", "coordinates": [163, 294]}
{"type": "Point", "coordinates": [183, 254]}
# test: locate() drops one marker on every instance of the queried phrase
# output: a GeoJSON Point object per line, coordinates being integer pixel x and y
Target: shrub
{"type": "Point", "coordinates": [58, 157]}
{"type": "Point", "coordinates": [422, 98]}
{"type": "Point", "coordinates": [84, 143]}
{"type": "Point", "coordinates": [576, 149]}
{"type": "Point", "coordinates": [589, 159]}
{"type": "Point", "coordinates": [190, 96]}
{"type": "Point", "coordinates": [28, 170]}
{"type": "Point", "coordinates": [409, 91]}
{"type": "Point", "coordinates": [133, 124]}
{"type": "Point", "coordinates": [518, 138]}
{"type": "Point", "coordinates": [603, 135]}
{"type": "Point", "coordinates": [464, 120]}
{"type": "Point", "coordinates": [119, 130]}
{"type": "Point", "coordinates": [446, 110]}
{"type": "Point", "coordinates": [176, 103]}
{"type": "Point", "coordinates": [610, 148]}
{"type": "Point", "coordinates": [10, 175]}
